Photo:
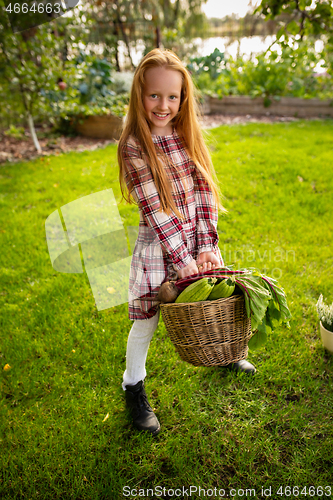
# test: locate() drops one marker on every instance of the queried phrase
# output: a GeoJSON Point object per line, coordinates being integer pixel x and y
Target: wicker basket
{"type": "Point", "coordinates": [209, 333]}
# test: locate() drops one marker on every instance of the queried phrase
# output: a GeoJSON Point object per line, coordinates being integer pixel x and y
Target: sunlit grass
{"type": "Point", "coordinates": [66, 358]}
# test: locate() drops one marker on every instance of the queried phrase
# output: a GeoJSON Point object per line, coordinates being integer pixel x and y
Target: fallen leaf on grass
{"type": "Point", "coordinates": [106, 417]}
{"type": "Point", "coordinates": [110, 289]}
{"type": "Point", "coordinates": [7, 367]}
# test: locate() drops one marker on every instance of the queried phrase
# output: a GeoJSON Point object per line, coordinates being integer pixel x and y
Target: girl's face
{"type": "Point", "coordinates": [161, 98]}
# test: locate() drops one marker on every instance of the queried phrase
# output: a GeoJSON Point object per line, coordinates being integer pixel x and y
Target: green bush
{"type": "Point", "coordinates": [92, 89]}
{"type": "Point", "coordinates": [11, 110]}
{"type": "Point", "coordinates": [269, 75]}
{"type": "Point", "coordinates": [15, 132]}
{"type": "Point", "coordinates": [211, 65]}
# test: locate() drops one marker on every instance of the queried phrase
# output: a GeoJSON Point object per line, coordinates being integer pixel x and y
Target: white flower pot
{"type": "Point", "coordinates": [326, 337]}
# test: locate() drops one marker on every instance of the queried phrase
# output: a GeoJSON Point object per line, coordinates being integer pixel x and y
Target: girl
{"type": "Point", "coordinates": [165, 168]}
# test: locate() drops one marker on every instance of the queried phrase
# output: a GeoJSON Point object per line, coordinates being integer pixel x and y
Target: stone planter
{"type": "Point", "coordinates": [326, 337]}
{"type": "Point", "coordinates": [100, 127]}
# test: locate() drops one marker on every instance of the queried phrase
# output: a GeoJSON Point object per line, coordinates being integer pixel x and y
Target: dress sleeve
{"type": "Point", "coordinates": [206, 216]}
{"type": "Point", "coordinates": [167, 228]}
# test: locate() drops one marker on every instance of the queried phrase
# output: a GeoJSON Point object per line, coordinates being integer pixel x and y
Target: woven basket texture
{"type": "Point", "coordinates": [209, 333]}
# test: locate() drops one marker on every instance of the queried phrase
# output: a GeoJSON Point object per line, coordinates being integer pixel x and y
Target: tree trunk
{"type": "Point", "coordinates": [33, 133]}
{"type": "Point", "coordinates": [123, 32]}
{"type": "Point", "coordinates": [121, 24]}
{"type": "Point", "coordinates": [158, 37]}
{"type": "Point", "coordinates": [116, 55]}
{"type": "Point", "coordinates": [176, 12]}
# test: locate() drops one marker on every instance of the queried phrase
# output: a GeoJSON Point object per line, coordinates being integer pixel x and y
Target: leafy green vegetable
{"type": "Point", "coordinates": [257, 297]}
{"type": "Point", "coordinates": [265, 311]}
{"type": "Point", "coordinates": [258, 339]}
{"type": "Point", "coordinates": [265, 301]}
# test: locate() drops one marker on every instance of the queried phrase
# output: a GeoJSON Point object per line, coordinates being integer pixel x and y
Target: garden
{"type": "Point", "coordinates": [73, 72]}
{"type": "Point", "coordinates": [64, 429]}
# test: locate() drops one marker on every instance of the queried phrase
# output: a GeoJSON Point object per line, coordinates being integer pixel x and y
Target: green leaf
{"type": "Point", "coordinates": [279, 300]}
{"type": "Point", "coordinates": [258, 339]}
{"type": "Point", "coordinates": [280, 33]}
{"type": "Point", "coordinates": [293, 27]}
{"type": "Point", "coordinates": [256, 296]}
{"type": "Point", "coordinates": [267, 102]}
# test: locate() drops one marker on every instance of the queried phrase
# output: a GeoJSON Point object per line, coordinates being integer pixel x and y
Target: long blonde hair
{"type": "Point", "coordinates": [185, 122]}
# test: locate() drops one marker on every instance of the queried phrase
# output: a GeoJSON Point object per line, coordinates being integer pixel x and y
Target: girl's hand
{"type": "Point", "coordinates": [191, 268]}
{"type": "Point", "coordinates": [207, 261]}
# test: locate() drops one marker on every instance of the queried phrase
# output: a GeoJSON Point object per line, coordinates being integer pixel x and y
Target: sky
{"type": "Point", "coordinates": [222, 8]}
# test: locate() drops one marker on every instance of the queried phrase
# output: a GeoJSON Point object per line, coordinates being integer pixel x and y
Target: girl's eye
{"type": "Point", "coordinates": [153, 96]}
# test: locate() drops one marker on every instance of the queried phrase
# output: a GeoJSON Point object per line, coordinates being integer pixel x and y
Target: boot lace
{"type": "Point", "coordinates": [143, 402]}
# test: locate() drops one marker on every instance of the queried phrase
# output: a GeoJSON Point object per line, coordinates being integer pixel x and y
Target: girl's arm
{"type": "Point", "coordinates": [206, 223]}
{"type": "Point", "coordinates": [168, 229]}
{"type": "Point", "coordinates": [208, 260]}
{"type": "Point", "coordinates": [191, 268]}
{"type": "Point", "coordinates": [205, 262]}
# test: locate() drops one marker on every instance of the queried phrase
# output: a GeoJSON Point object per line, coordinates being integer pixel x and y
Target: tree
{"type": "Point", "coordinates": [155, 23]}
{"type": "Point", "coordinates": [303, 19]}
{"type": "Point", "coordinates": [126, 21]}
{"type": "Point", "coordinates": [183, 21]}
{"type": "Point", "coordinates": [32, 62]}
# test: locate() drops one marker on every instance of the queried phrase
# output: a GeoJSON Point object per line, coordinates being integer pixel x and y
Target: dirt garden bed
{"type": "Point", "coordinates": [14, 150]}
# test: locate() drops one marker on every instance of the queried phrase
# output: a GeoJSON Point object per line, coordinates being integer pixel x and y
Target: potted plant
{"type": "Point", "coordinates": [93, 102]}
{"type": "Point", "coordinates": [101, 110]}
{"type": "Point", "coordinates": [102, 118]}
{"type": "Point", "coordinates": [325, 314]}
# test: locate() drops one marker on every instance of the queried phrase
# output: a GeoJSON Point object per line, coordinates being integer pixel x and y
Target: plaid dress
{"type": "Point", "coordinates": [165, 243]}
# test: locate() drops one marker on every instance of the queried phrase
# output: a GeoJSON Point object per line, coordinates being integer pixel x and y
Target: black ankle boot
{"type": "Point", "coordinates": [242, 366]}
{"type": "Point", "coordinates": [144, 419]}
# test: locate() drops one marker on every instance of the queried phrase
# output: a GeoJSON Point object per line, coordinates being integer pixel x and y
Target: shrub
{"type": "Point", "coordinates": [273, 74]}
{"type": "Point", "coordinates": [92, 89]}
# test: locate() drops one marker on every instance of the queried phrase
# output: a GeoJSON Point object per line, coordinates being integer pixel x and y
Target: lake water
{"type": "Point", "coordinates": [246, 46]}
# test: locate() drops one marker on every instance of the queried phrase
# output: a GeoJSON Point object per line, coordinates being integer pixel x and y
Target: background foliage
{"type": "Point", "coordinates": [288, 71]}
{"type": "Point", "coordinates": [302, 19]}
{"type": "Point", "coordinates": [87, 50]}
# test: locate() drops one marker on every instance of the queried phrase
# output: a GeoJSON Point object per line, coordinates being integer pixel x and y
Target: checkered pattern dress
{"type": "Point", "coordinates": [165, 243]}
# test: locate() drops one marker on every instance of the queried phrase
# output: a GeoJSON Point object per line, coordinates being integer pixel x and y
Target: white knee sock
{"type": "Point", "coordinates": [138, 341]}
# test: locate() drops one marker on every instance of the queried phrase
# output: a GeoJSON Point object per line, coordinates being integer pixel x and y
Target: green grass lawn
{"type": "Point", "coordinates": [64, 430]}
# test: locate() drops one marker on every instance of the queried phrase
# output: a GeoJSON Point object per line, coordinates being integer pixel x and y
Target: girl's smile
{"type": "Point", "coordinates": [161, 98]}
